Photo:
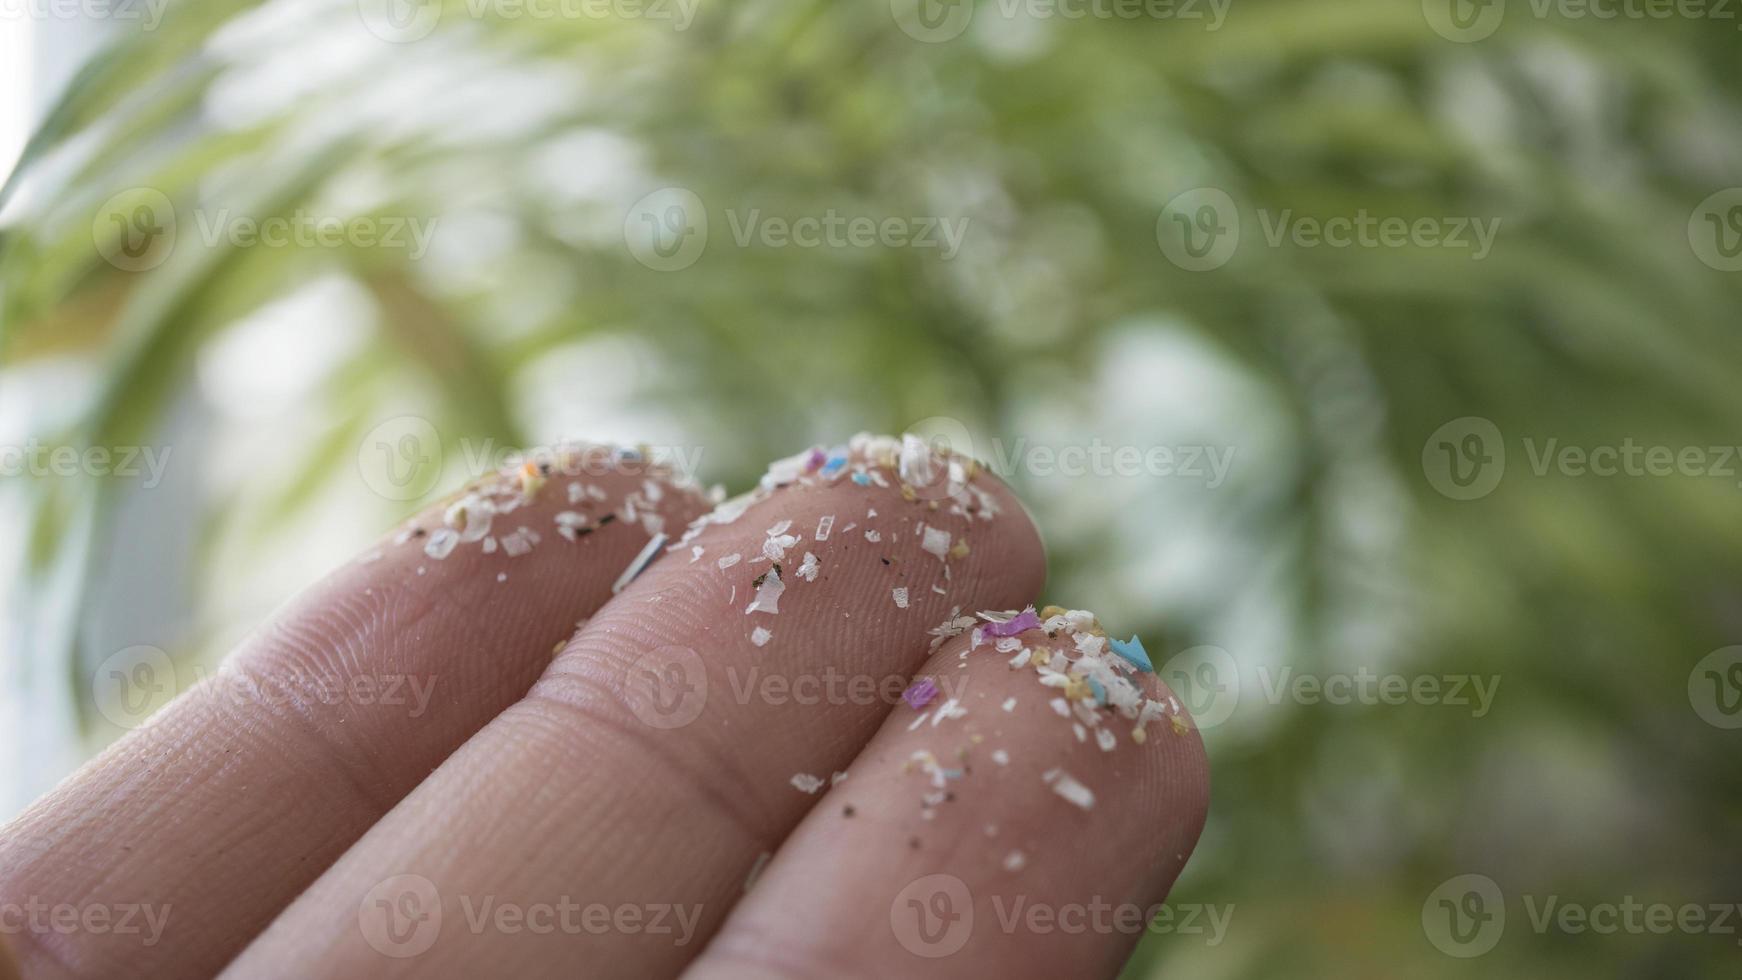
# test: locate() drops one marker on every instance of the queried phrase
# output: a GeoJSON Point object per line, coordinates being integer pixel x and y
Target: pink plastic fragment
{"type": "Point", "coordinates": [920, 693]}
{"type": "Point", "coordinates": [1025, 620]}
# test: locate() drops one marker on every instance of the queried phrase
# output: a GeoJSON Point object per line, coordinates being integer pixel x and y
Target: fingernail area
{"type": "Point", "coordinates": [483, 514]}
{"type": "Point", "coordinates": [1089, 680]}
{"type": "Point", "coordinates": [936, 493]}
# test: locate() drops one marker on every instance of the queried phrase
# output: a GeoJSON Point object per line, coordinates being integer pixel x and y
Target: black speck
{"type": "Point", "coordinates": [913, 842]}
{"type": "Point", "coordinates": [847, 810]}
{"type": "Point", "coordinates": [884, 560]}
{"type": "Point", "coordinates": [608, 518]}
{"type": "Point", "coordinates": [418, 532]}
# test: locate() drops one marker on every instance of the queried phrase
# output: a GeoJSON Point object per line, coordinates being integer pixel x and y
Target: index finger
{"type": "Point", "coordinates": [227, 803]}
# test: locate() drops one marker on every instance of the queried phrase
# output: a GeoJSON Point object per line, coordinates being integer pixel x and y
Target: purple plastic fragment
{"type": "Point", "coordinates": [1025, 620]}
{"type": "Point", "coordinates": [920, 693]}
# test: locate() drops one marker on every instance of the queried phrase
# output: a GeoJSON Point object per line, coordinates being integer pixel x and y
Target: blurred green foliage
{"type": "Point", "coordinates": [1593, 321]}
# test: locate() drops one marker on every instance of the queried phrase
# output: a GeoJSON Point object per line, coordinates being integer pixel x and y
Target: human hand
{"type": "Point", "coordinates": [787, 747]}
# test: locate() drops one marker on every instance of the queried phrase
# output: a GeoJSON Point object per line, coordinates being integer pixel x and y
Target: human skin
{"type": "Point", "coordinates": [550, 814]}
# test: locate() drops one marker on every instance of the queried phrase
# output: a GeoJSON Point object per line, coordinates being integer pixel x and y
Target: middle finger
{"type": "Point", "coordinates": [612, 796]}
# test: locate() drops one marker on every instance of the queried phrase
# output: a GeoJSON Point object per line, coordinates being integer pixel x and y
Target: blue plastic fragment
{"type": "Point", "coordinates": [863, 479]}
{"type": "Point", "coordinates": [1132, 652]}
{"type": "Point", "coordinates": [1098, 689]}
{"type": "Point", "coordinates": [834, 464]}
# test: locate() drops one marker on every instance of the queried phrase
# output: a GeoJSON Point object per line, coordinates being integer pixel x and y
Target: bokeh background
{"type": "Point", "coordinates": [1133, 226]}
